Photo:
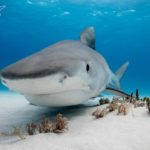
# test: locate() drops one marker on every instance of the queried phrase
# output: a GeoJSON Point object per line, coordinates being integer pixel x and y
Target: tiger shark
{"type": "Point", "coordinates": [69, 72]}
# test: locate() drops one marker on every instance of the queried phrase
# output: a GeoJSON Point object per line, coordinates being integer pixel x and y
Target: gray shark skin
{"type": "Point", "coordinates": [66, 73]}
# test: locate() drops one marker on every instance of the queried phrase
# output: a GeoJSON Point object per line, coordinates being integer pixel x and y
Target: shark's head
{"type": "Point", "coordinates": [65, 73]}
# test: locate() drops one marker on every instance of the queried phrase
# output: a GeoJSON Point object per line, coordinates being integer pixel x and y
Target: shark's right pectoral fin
{"type": "Point", "coordinates": [87, 37]}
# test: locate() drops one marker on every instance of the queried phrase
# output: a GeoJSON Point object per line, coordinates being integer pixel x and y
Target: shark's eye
{"type": "Point", "coordinates": [87, 67]}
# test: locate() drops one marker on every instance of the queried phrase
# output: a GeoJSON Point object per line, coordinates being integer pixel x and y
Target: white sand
{"type": "Point", "coordinates": [131, 132]}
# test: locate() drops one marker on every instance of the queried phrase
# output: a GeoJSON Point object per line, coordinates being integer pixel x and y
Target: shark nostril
{"type": "Point", "coordinates": [63, 78]}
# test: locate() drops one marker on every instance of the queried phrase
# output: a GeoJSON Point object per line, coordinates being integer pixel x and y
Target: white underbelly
{"type": "Point", "coordinates": [60, 99]}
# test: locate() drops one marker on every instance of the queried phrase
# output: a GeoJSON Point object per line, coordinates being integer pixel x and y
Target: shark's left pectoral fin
{"type": "Point", "coordinates": [87, 37]}
{"type": "Point", "coordinates": [117, 92]}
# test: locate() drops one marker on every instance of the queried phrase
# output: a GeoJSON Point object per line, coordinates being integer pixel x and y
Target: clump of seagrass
{"type": "Point", "coordinates": [45, 126]}
{"type": "Point", "coordinates": [61, 124]}
{"type": "Point", "coordinates": [137, 94]}
{"type": "Point", "coordinates": [148, 103]}
{"type": "Point", "coordinates": [136, 101]}
{"type": "Point", "coordinates": [98, 113]}
{"type": "Point", "coordinates": [112, 106]}
{"type": "Point", "coordinates": [31, 128]}
{"type": "Point", "coordinates": [122, 109]}
{"type": "Point", "coordinates": [146, 99]}
{"type": "Point", "coordinates": [15, 132]}
{"type": "Point", "coordinates": [139, 103]}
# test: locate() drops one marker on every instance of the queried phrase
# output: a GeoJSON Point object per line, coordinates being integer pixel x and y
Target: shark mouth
{"type": "Point", "coordinates": [50, 84]}
{"type": "Point", "coordinates": [38, 74]}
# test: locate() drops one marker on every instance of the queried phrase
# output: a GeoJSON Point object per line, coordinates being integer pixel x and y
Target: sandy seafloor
{"type": "Point", "coordinates": [131, 132]}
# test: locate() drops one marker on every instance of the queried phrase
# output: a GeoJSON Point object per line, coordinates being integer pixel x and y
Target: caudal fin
{"type": "Point", "coordinates": [118, 75]}
{"type": "Point", "coordinates": [120, 72]}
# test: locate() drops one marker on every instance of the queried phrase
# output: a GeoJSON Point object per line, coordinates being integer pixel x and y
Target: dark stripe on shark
{"type": "Point", "coordinates": [117, 92]}
{"type": "Point", "coordinates": [38, 74]}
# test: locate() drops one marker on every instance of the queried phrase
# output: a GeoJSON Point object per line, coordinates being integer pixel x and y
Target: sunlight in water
{"type": "Point", "coordinates": [2, 7]}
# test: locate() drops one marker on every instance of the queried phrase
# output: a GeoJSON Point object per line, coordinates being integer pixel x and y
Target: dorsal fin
{"type": "Point", "coordinates": [87, 37]}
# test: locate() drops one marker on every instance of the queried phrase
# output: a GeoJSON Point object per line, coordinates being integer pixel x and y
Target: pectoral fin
{"type": "Point", "coordinates": [117, 92]}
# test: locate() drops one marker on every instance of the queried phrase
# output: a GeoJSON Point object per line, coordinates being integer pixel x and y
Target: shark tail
{"type": "Point", "coordinates": [114, 87]}
{"type": "Point", "coordinates": [115, 82]}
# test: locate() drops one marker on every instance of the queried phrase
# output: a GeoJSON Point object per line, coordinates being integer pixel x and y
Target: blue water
{"type": "Point", "coordinates": [122, 32]}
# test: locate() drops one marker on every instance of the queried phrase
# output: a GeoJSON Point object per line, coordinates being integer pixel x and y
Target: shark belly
{"type": "Point", "coordinates": [66, 98]}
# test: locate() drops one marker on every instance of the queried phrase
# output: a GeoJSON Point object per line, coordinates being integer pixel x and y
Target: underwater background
{"type": "Point", "coordinates": [122, 32]}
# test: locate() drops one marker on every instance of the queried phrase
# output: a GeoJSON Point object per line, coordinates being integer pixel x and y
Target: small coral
{"type": "Point", "coordinates": [122, 109]}
{"type": "Point", "coordinates": [98, 113]}
{"type": "Point", "coordinates": [148, 104]}
{"type": "Point", "coordinates": [61, 124]}
{"type": "Point", "coordinates": [103, 113]}
{"type": "Point", "coordinates": [45, 126]}
{"type": "Point", "coordinates": [17, 132]}
{"type": "Point", "coordinates": [31, 128]}
{"type": "Point", "coordinates": [112, 106]}
{"type": "Point", "coordinates": [137, 94]}
{"type": "Point", "coordinates": [139, 103]}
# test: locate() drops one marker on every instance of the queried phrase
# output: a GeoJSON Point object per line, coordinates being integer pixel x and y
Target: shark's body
{"type": "Point", "coordinates": [66, 73]}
